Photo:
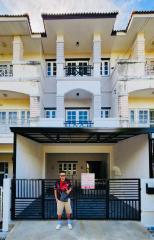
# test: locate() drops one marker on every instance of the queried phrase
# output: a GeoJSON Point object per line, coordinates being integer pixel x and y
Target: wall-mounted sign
{"type": "Point", "coordinates": [88, 180]}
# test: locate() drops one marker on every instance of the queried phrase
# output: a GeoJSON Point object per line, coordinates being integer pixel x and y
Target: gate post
{"type": "Point", "coordinates": [6, 204]}
{"type": "Point", "coordinates": [43, 200]}
{"type": "Point", "coordinates": [107, 198]}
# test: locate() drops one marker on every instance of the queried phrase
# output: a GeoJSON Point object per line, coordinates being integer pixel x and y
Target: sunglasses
{"type": "Point", "coordinates": [62, 175]}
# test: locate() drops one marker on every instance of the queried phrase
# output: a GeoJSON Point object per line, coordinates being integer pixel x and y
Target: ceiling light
{"type": "Point", "coordinates": [4, 95]}
{"type": "Point", "coordinates": [77, 44]}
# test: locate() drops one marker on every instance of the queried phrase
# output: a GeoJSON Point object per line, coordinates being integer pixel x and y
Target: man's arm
{"type": "Point", "coordinates": [55, 193]}
{"type": "Point", "coordinates": [70, 188]}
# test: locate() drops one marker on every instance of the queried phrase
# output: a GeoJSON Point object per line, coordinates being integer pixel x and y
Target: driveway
{"type": "Point", "coordinates": [82, 230]}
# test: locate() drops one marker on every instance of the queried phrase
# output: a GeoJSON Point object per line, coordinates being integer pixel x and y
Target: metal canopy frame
{"type": "Point", "coordinates": [79, 135]}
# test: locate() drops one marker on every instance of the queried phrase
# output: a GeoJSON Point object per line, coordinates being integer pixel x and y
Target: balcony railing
{"type": "Point", "coordinates": [6, 70]}
{"type": "Point", "coordinates": [78, 70]}
{"type": "Point", "coordinates": [149, 69]}
{"type": "Point", "coordinates": [78, 124]}
{"type": "Point", "coordinates": [7, 123]}
{"type": "Point", "coordinates": [142, 124]}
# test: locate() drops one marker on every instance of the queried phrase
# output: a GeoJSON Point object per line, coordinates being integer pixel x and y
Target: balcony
{"type": "Point", "coordinates": [21, 71]}
{"type": "Point", "coordinates": [149, 69]}
{"type": "Point", "coordinates": [79, 124]}
{"type": "Point", "coordinates": [78, 70]}
{"type": "Point", "coordinates": [7, 123]}
{"type": "Point", "coordinates": [6, 70]}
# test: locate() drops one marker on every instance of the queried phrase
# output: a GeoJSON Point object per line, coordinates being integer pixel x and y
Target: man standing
{"type": "Point", "coordinates": [62, 191]}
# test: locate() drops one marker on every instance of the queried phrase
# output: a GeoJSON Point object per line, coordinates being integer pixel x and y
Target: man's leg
{"type": "Point", "coordinates": [68, 210]}
{"type": "Point", "coordinates": [60, 208]}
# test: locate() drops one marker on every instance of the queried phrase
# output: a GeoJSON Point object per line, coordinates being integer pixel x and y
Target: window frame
{"type": "Point", "coordinates": [51, 110]}
{"type": "Point", "coordinates": [53, 67]}
{"type": "Point", "coordinates": [102, 67]}
{"type": "Point", "coordinates": [103, 112]}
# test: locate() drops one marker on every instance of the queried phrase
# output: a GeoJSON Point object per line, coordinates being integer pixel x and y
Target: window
{"type": "Point", "coordinates": [105, 66]}
{"type": "Point", "coordinates": [83, 116]}
{"type": "Point", "coordinates": [51, 68]}
{"type": "Point", "coordinates": [143, 116]}
{"type": "Point", "coordinates": [2, 117]}
{"type": "Point", "coordinates": [25, 116]}
{"type": "Point", "coordinates": [3, 171]}
{"type": "Point", "coordinates": [68, 167]}
{"type": "Point", "coordinates": [71, 116]}
{"type": "Point", "coordinates": [13, 117]}
{"type": "Point", "coordinates": [50, 113]}
{"type": "Point", "coordinates": [105, 113]}
{"type": "Point", "coordinates": [132, 117]}
{"type": "Point", "coordinates": [77, 115]}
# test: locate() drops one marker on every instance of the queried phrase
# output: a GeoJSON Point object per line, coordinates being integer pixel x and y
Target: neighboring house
{"type": "Point", "coordinates": [79, 97]}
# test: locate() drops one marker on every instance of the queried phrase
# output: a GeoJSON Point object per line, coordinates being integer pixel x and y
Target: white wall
{"type": "Point", "coordinates": [147, 203]}
{"type": "Point", "coordinates": [132, 157]}
{"type": "Point", "coordinates": [29, 160]}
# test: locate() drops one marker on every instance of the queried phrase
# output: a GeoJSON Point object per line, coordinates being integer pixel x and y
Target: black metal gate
{"type": "Point", "coordinates": [117, 199]}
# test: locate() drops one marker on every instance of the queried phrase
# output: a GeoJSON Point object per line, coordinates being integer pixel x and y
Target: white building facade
{"type": "Point", "coordinates": [78, 97]}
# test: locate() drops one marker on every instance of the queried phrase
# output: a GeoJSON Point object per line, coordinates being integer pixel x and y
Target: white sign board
{"type": "Point", "coordinates": [88, 180]}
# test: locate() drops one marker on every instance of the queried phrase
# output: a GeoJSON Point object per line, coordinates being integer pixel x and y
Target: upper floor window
{"type": "Point", "coordinates": [105, 112]}
{"type": "Point", "coordinates": [50, 113]}
{"type": "Point", "coordinates": [143, 116]}
{"type": "Point", "coordinates": [132, 117]}
{"type": "Point", "coordinates": [105, 67]}
{"type": "Point", "coordinates": [51, 68]}
{"type": "Point", "coordinates": [14, 116]}
{"type": "Point", "coordinates": [139, 116]}
{"type": "Point", "coordinates": [74, 115]}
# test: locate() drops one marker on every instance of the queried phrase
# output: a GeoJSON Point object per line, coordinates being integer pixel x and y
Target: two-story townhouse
{"type": "Point", "coordinates": [78, 98]}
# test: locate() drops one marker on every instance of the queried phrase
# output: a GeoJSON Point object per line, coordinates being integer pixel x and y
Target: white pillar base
{"type": "Point", "coordinates": [6, 204]}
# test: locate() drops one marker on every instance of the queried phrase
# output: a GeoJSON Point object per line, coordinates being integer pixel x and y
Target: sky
{"type": "Point", "coordinates": [36, 7]}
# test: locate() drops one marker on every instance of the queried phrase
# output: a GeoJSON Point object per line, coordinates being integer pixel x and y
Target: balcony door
{"type": "Point", "coordinates": [77, 68]}
{"type": "Point", "coordinates": [74, 116]}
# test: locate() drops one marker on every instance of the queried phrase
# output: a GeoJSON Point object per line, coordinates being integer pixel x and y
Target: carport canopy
{"type": "Point", "coordinates": [79, 135]}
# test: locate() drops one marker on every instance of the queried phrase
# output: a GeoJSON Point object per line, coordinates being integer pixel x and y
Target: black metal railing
{"type": "Point", "coordinates": [78, 123]}
{"type": "Point", "coordinates": [112, 199]}
{"type": "Point", "coordinates": [78, 70]}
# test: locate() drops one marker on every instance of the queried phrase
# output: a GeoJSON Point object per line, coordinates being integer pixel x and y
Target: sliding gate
{"type": "Point", "coordinates": [112, 199]}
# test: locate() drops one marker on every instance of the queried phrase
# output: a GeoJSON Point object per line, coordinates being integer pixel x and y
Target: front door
{"type": "Point", "coordinates": [97, 167]}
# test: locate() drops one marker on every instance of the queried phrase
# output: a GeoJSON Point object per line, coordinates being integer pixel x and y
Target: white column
{"type": "Point", "coordinates": [96, 54]}
{"type": "Point", "coordinates": [34, 107]}
{"type": "Point", "coordinates": [97, 106]}
{"type": "Point", "coordinates": [6, 204]}
{"type": "Point", "coordinates": [138, 53]}
{"type": "Point", "coordinates": [123, 104]}
{"type": "Point", "coordinates": [60, 112]}
{"type": "Point", "coordinates": [60, 60]}
{"type": "Point", "coordinates": [17, 49]}
{"type": "Point", "coordinates": [17, 56]}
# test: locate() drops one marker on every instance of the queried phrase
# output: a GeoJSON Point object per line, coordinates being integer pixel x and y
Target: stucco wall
{"type": "Point", "coordinates": [29, 161]}
{"type": "Point", "coordinates": [132, 157]}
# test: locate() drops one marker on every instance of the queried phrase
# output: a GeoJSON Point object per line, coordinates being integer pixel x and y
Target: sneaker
{"type": "Point", "coordinates": [58, 226]}
{"type": "Point", "coordinates": [69, 226]}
